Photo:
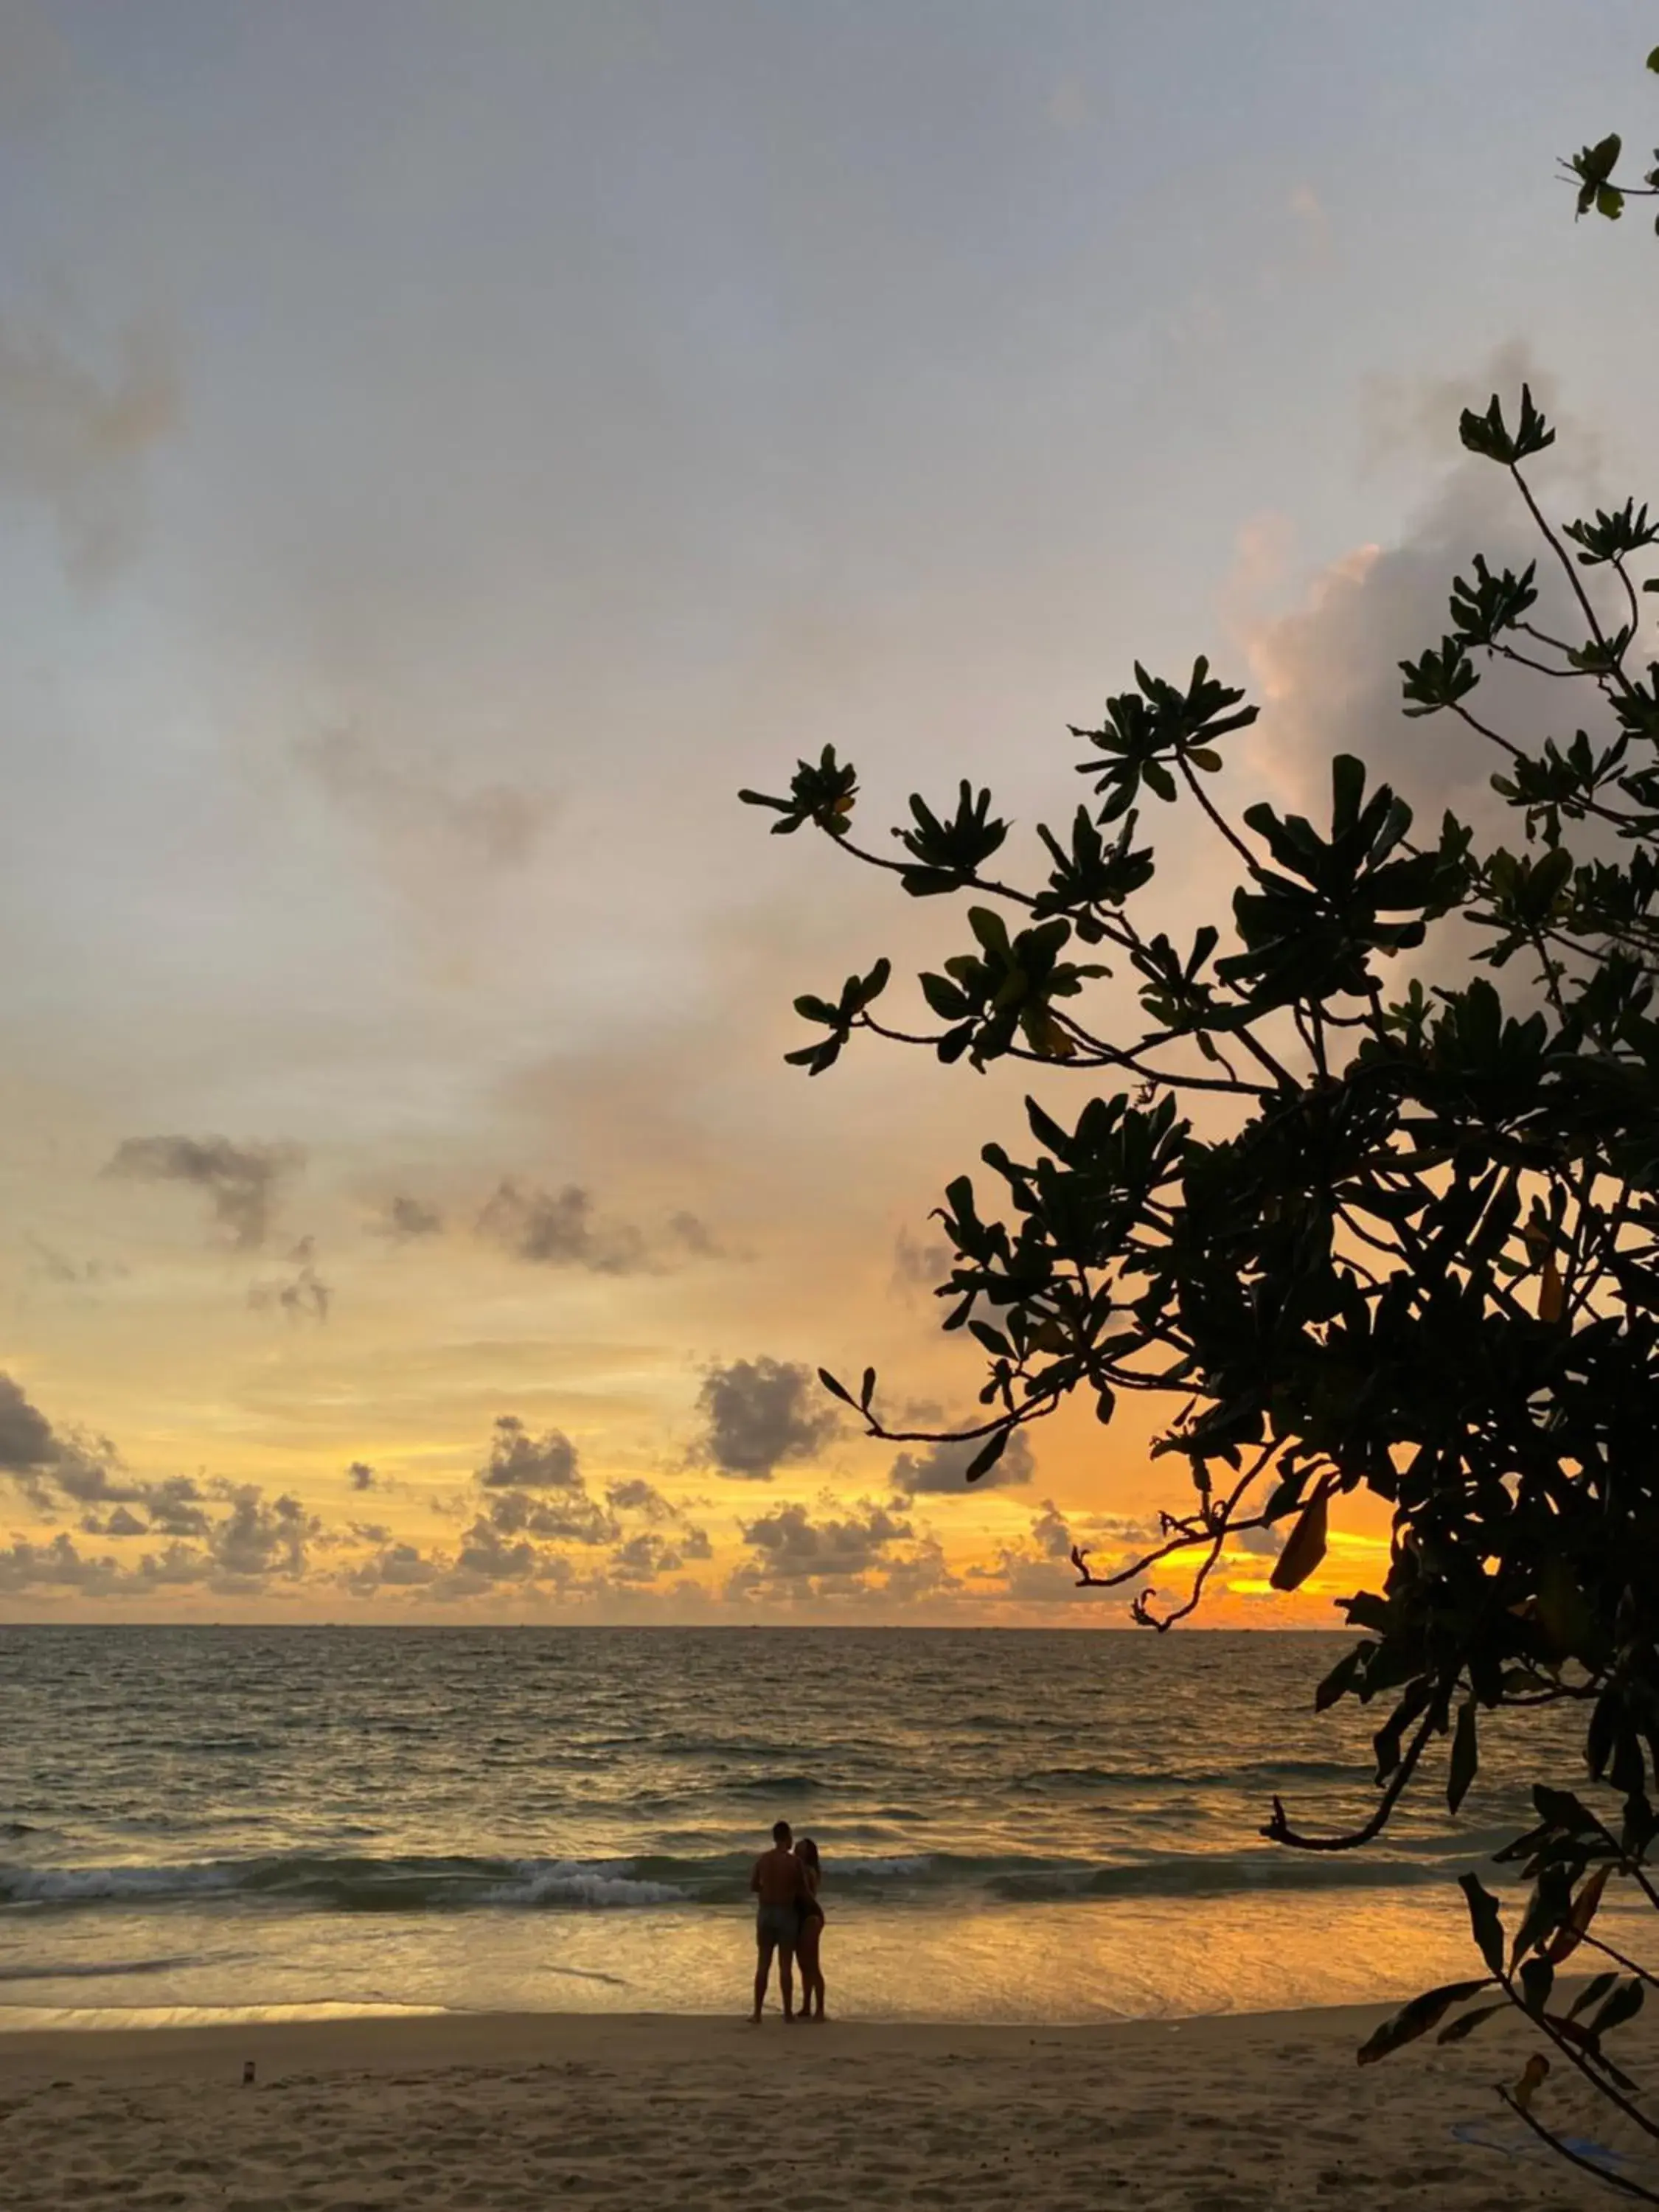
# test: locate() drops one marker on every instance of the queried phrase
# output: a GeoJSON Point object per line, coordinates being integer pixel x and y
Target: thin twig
{"type": "Point", "coordinates": [1576, 2158]}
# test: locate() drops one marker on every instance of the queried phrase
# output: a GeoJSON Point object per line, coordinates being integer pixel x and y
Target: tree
{"type": "Point", "coordinates": [1396, 1236]}
{"type": "Point", "coordinates": [1593, 170]}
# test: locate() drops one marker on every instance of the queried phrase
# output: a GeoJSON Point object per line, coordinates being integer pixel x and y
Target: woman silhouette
{"type": "Point", "coordinates": [810, 1934]}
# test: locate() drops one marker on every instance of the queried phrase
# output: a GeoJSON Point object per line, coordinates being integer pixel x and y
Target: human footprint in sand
{"type": "Point", "coordinates": [779, 1886]}
{"type": "Point", "coordinates": [811, 1935]}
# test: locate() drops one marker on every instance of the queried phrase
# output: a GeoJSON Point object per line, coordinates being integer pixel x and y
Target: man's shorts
{"type": "Point", "coordinates": [777, 1924]}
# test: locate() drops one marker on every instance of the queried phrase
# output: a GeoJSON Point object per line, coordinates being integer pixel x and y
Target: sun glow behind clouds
{"type": "Point", "coordinates": [543, 428]}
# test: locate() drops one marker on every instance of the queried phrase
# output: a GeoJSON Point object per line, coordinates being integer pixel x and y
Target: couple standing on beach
{"type": "Point", "coordinates": [789, 1920]}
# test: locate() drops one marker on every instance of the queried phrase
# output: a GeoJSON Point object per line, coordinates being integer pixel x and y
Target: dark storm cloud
{"type": "Point", "coordinates": [549, 1229]}
{"type": "Point", "coordinates": [404, 1219]}
{"type": "Point", "coordinates": [240, 1181]}
{"type": "Point", "coordinates": [943, 1468]}
{"type": "Point", "coordinates": [761, 1415]}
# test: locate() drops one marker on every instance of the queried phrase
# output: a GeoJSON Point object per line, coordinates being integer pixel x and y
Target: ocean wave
{"type": "Point", "coordinates": [1249, 1775]}
{"type": "Point", "coordinates": [323, 1882]}
{"type": "Point", "coordinates": [96, 1970]}
{"type": "Point", "coordinates": [1211, 1874]}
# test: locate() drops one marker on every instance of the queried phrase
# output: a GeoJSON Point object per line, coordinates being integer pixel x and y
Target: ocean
{"type": "Point", "coordinates": [198, 1822]}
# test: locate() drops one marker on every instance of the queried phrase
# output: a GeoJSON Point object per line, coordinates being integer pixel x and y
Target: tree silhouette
{"type": "Point", "coordinates": [1408, 1245]}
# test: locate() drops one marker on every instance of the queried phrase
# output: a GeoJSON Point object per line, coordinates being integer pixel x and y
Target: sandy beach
{"type": "Point", "coordinates": [1260, 2111]}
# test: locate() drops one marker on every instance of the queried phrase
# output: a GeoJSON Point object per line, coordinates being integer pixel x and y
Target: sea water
{"type": "Point", "coordinates": [1045, 1825]}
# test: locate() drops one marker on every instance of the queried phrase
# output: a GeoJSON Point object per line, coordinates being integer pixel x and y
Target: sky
{"type": "Point", "coordinates": [445, 453]}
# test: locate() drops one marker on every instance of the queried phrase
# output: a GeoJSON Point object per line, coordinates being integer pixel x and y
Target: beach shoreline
{"type": "Point", "coordinates": [452, 2109]}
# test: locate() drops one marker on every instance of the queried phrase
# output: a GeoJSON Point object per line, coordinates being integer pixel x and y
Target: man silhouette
{"type": "Point", "coordinates": [778, 1884]}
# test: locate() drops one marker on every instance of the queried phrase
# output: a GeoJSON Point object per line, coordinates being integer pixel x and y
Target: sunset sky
{"type": "Point", "coordinates": [445, 452]}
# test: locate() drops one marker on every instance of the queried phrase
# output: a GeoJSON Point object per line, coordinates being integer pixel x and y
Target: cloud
{"type": "Point", "coordinates": [123, 1521]}
{"type": "Point", "coordinates": [252, 1542]}
{"type": "Point", "coordinates": [486, 1556]}
{"type": "Point", "coordinates": [304, 1295]}
{"type": "Point", "coordinates": [789, 1547]}
{"type": "Point", "coordinates": [59, 1564]}
{"type": "Point", "coordinates": [174, 1505]}
{"type": "Point", "coordinates": [943, 1468]}
{"type": "Point", "coordinates": [49, 1264]}
{"type": "Point", "coordinates": [74, 437]}
{"type": "Point", "coordinates": [361, 1475]}
{"type": "Point", "coordinates": [920, 1267]}
{"type": "Point", "coordinates": [539, 1491]}
{"type": "Point", "coordinates": [571, 1515]}
{"type": "Point", "coordinates": [1309, 210]}
{"type": "Point", "coordinates": [55, 1471]}
{"type": "Point", "coordinates": [557, 1230]}
{"type": "Point", "coordinates": [1264, 1543]}
{"type": "Point", "coordinates": [26, 1440]}
{"type": "Point", "coordinates": [411, 805]}
{"type": "Point", "coordinates": [636, 1495]}
{"type": "Point", "coordinates": [81, 1473]}
{"type": "Point", "coordinates": [925, 1573]}
{"type": "Point", "coordinates": [405, 1218]}
{"type": "Point", "coordinates": [255, 1540]}
{"type": "Point", "coordinates": [395, 1566]}
{"type": "Point", "coordinates": [1326, 671]}
{"type": "Point", "coordinates": [240, 1181]}
{"type": "Point", "coordinates": [645, 1559]}
{"type": "Point", "coordinates": [1050, 1534]}
{"type": "Point", "coordinates": [761, 1415]}
{"type": "Point", "coordinates": [519, 1461]}
{"type": "Point", "coordinates": [690, 1230]}
{"type": "Point", "coordinates": [1030, 1572]}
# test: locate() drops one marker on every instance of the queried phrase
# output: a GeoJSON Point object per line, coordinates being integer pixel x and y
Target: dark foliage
{"type": "Point", "coordinates": [1408, 1247]}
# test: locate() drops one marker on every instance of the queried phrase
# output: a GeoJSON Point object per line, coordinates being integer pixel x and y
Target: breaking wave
{"type": "Point", "coordinates": [317, 1882]}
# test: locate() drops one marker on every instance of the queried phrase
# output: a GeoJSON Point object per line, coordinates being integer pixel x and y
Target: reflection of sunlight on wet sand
{"type": "Point", "coordinates": [20, 2017]}
{"type": "Point", "coordinates": [1151, 1958]}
